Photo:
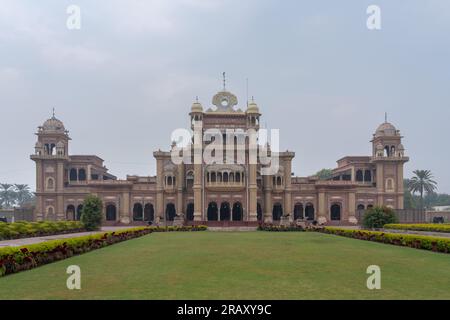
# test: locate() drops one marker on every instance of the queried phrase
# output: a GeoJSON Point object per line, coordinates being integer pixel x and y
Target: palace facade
{"type": "Point", "coordinates": [216, 194]}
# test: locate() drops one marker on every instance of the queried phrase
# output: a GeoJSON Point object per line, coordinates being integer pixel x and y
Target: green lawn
{"type": "Point", "coordinates": [239, 265]}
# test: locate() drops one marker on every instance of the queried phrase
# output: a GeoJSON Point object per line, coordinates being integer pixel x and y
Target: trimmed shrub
{"type": "Point", "coordinates": [433, 227]}
{"type": "Point", "coordinates": [407, 240]}
{"type": "Point", "coordinates": [178, 228]}
{"type": "Point", "coordinates": [271, 227]}
{"type": "Point", "coordinates": [26, 229]}
{"type": "Point", "coordinates": [377, 217]}
{"type": "Point", "coordinates": [15, 259]}
{"type": "Point", "coordinates": [91, 215]}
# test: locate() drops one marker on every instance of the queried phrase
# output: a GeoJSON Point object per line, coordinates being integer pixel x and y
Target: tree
{"type": "Point", "coordinates": [377, 217]}
{"type": "Point", "coordinates": [325, 174]}
{"type": "Point", "coordinates": [23, 193]}
{"type": "Point", "coordinates": [91, 215]}
{"type": "Point", "coordinates": [422, 182]}
{"type": "Point", "coordinates": [408, 199]}
{"type": "Point", "coordinates": [7, 195]}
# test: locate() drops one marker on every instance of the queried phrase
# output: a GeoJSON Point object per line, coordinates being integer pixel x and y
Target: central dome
{"type": "Point", "coordinates": [224, 101]}
{"type": "Point", "coordinates": [386, 129]}
{"type": "Point", "coordinates": [53, 124]}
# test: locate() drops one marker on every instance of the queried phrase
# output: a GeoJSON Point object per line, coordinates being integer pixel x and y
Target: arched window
{"type": "Point", "coordinates": [212, 212]}
{"type": "Point", "coordinates": [190, 179]}
{"type": "Point", "coordinates": [335, 212]}
{"type": "Point", "coordinates": [390, 185]}
{"type": "Point", "coordinates": [170, 212]}
{"type": "Point", "coordinates": [70, 212]}
{"type": "Point", "coordinates": [169, 180]}
{"type": "Point", "coordinates": [149, 212]}
{"type": "Point", "coordinates": [238, 177]}
{"type": "Point", "coordinates": [73, 175]}
{"type": "Point", "coordinates": [225, 211]}
{"type": "Point", "coordinates": [309, 211]}
{"type": "Point", "coordinates": [231, 177]}
{"type": "Point", "coordinates": [213, 177]}
{"type": "Point", "coordinates": [387, 151]}
{"type": "Point", "coordinates": [138, 212]}
{"type": "Point", "coordinates": [360, 207]}
{"type": "Point", "coordinates": [359, 176]}
{"type": "Point", "coordinates": [82, 175]}
{"type": "Point", "coordinates": [111, 212]}
{"type": "Point", "coordinates": [368, 176]}
{"type": "Point", "coordinates": [79, 211]}
{"type": "Point", "coordinates": [237, 212]}
{"type": "Point", "coordinates": [219, 176]}
{"type": "Point", "coordinates": [50, 213]}
{"type": "Point", "coordinates": [298, 211]}
{"type": "Point", "coordinates": [277, 211]}
{"type": "Point", "coordinates": [50, 184]}
{"type": "Point", "coordinates": [392, 151]}
{"type": "Point", "coordinates": [279, 181]}
{"type": "Point", "coordinates": [190, 212]}
{"type": "Point", "coordinates": [225, 177]}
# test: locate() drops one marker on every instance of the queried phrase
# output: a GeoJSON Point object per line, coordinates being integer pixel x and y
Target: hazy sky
{"type": "Point", "coordinates": [124, 81]}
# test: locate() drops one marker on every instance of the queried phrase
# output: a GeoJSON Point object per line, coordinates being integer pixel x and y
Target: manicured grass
{"type": "Point", "coordinates": [245, 265]}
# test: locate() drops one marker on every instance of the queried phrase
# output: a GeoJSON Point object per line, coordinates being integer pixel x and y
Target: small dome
{"type": "Point", "coordinates": [53, 124]}
{"type": "Point", "coordinates": [386, 129]}
{"type": "Point", "coordinates": [252, 108]}
{"type": "Point", "coordinates": [39, 145]}
{"type": "Point", "coordinates": [380, 146]}
{"type": "Point", "coordinates": [60, 144]}
{"type": "Point", "coordinates": [196, 107]}
{"type": "Point", "coordinates": [401, 147]}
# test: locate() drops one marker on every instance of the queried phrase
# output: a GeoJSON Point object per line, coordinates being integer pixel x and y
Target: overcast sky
{"type": "Point", "coordinates": [124, 81]}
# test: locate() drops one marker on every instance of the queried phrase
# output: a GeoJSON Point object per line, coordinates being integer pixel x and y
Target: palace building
{"type": "Point", "coordinates": [216, 194]}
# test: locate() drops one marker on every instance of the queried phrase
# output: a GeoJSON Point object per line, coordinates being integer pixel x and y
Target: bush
{"type": "Point", "coordinates": [408, 240]}
{"type": "Point", "coordinates": [179, 228]}
{"type": "Point", "coordinates": [91, 215]}
{"type": "Point", "coordinates": [377, 217]}
{"type": "Point", "coordinates": [438, 227]}
{"type": "Point", "coordinates": [25, 229]}
{"type": "Point", "coordinates": [271, 227]}
{"type": "Point", "coordinates": [15, 259]}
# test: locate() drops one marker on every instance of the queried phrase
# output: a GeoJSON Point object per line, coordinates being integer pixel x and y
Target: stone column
{"type": "Point", "coordinates": [252, 189]}
{"type": "Point", "coordinates": [380, 184]}
{"type": "Point", "coordinates": [288, 189]}
{"type": "Point", "coordinates": [351, 214]}
{"type": "Point", "coordinates": [198, 174]}
{"type": "Point", "coordinates": [124, 210]}
{"type": "Point", "coordinates": [267, 199]}
{"type": "Point", "coordinates": [159, 190]}
{"type": "Point", "coordinates": [180, 188]}
{"type": "Point", "coordinates": [400, 187]}
{"type": "Point", "coordinates": [322, 208]}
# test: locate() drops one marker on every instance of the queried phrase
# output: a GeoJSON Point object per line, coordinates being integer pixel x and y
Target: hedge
{"type": "Point", "coordinates": [16, 259]}
{"type": "Point", "coordinates": [25, 229]}
{"type": "Point", "coordinates": [407, 240]}
{"type": "Point", "coordinates": [281, 228]}
{"type": "Point", "coordinates": [178, 228]}
{"type": "Point", "coordinates": [434, 227]}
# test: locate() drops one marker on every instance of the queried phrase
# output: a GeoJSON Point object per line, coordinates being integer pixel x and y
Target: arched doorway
{"type": "Point", "coordinates": [335, 212]}
{"type": "Point", "coordinates": [79, 211]}
{"type": "Point", "coordinates": [213, 212]}
{"type": "Point", "coordinates": [298, 211]}
{"type": "Point", "coordinates": [309, 211]}
{"type": "Point", "coordinates": [237, 211]}
{"type": "Point", "coordinates": [70, 212]}
{"type": "Point", "coordinates": [149, 212]}
{"type": "Point", "coordinates": [73, 175]}
{"type": "Point", "coordinates": [225, 211]}
{"type": "Point", "coordinates": [277, 211]}
{"type": "Point", "coordinates": [138, 212]}
{"type": "Point", "coordinates": [82, 175]}
{"type": "Point", "coordinates": [111, 212]}
{"type": "Point", "coordinates": [259, 212]}
{"type": "Point", "coordinates": [190, 212]}
{"type": "Point", "coordinates": [170, 212]}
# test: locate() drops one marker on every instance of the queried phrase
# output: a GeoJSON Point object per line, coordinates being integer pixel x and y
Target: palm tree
{"type": "Point", "coordinates": [422, 182]}
{"type": "Point", "coordinates": [7, 195]}
{"type": "Point", "coordinates": [23, 193]}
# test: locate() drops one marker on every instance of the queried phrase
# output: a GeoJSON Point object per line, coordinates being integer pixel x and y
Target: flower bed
{"type": "Point", "coordinates": [178, 228]}
{"type": "Point", "coordinates": [16, 259]}
{"type": "Point", "coordinates": [25, 229]}
{"type": "Point", "coordinates": [433, 227]}
{"type": "Point", "coordinates": [413, 241]}
{"type": "Point", "coordinates": [271, 227]}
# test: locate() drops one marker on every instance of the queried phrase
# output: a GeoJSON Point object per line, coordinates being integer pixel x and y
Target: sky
{"type": "Point", "coordinates": [128, 77]}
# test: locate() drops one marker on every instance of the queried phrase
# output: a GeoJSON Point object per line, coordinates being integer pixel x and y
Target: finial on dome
{"type": "Point", "coordinates": [53, 113]}
{"type": "Point", "coordinates": [385, 117]}
{"type": "Point", "coordinates": [224, 81]}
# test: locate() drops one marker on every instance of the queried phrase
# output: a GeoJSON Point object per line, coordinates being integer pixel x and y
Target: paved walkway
{"type": "Point", "coordinates": [34, 240]}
